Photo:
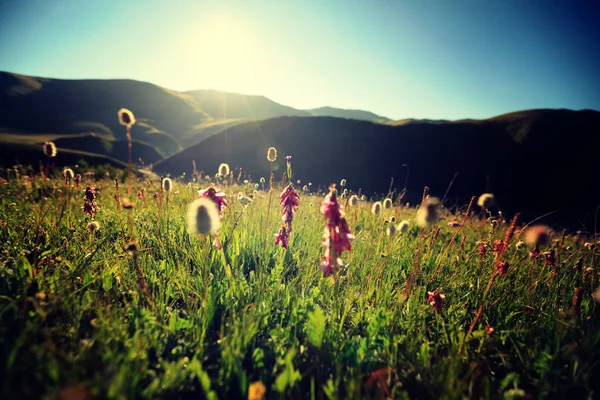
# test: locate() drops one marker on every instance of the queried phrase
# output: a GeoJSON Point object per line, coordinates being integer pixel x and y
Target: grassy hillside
{"type": "Point", "coordinates": [536, 161]}
{"type": "Point", "coordinates": [127, 304]}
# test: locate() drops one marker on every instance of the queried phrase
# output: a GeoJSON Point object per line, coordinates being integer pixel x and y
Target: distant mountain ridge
{"type": "Point", "coordinates": [535, 160]}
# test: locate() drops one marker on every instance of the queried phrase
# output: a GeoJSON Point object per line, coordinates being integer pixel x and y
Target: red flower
{"type": "Point", "coordinates": [502, 267]}
{"type": "Point", "coordinates": [289, 202]}
{"type": "Point", "coordinates": [336, 237]}
{"type": "Point", "coordinates": [89, 202]}
{"type": "Point", "coordinates": [436, 299]}
{"type": "Point", "coordinates": [216, 196]}
{"type": "Point", "coordinates": [498, 246]}
{"type": "Point", "coordinates": [282, 237]}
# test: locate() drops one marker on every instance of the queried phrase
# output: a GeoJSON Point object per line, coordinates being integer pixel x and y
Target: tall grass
{"type": "Point", "coordinates": [81, 313]}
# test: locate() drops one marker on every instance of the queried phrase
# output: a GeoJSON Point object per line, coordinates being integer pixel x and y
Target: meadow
{"type": "Point", "coordinates": [125, 302]}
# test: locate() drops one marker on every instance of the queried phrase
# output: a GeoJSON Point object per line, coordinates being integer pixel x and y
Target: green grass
{"type": "Point", "coordinates": [73, 318]}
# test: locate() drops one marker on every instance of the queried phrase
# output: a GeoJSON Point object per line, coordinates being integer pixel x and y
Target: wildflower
{"type": "Point", "coordinates": [485, 201]}
{"type": "Point", "coordinates": [387, 203]}
{"type": "Point", "coordinates": [453, 224]}
{"type": "Point", "coordinates": [363, 198]}
{"type": "Point", "coordinates": [436, 300]}
{"type": "Point", "coordinates": [68, 173]}
{"type": "Point", "coordinates": [49, 149]}
{"type": "Point", "coordinates": [337, 236]}
{"type": "Point", "coordinates": [167, 184]}
{"type": "Point", "coordinates": [244, 200]}
{"type": "Point", "coordinates": [224, 170]}
{"type": "Point", "coordinates": [289, 201]}
{"type": "Point", "coordinates": [354, 200]}
{"type": "Point", "coordinates": [427, 213]}
{"type": "Point", "coordinates": [391, 230]}
{"type": "Point", "coordinates": [282, 237]}
{"type": "Point", "coordinates": [343, 183]}
{"type": "Point", "coordinates": [89, 202]}
{"type": "Point", "coordinates": [77, 180]}
{"type": "Point", "coordinates": [403, 226]}
{"type": "Point", "coordinates": [550, 258]}
{"type": "Point", "coordinates": [502, 267]}
{"type": "Point", "coordinates": [305, 188]}
{"type": "Point", "coordinates": [255, 186]}
{"type": "Point", "coordinates": [257, 391]}
{"type": "Point", "coordinates": [246, 181]}
{"type": "Point", "coordinates": [520, 244]}
{"type": "Point", "coordinates": [203, 217]}
{"type": "Point", "coordinates": [376, 208]}
{"type": "Point", "coordinates": [93, 226]}
{"type": "Point", "coordinates": [498, 246]}
{"type": "Point", "coordinates": [272, 154]}
{"type": "Point", "coordinates": [126, 117]}
{"type": "Point", "coordinates": [482, 249]}
{"type": "Point", "coordinates": [262, 180]}
{"type": "Point", "coordinates": [288, 162]}
{"type": "Point", "coordinates": [589, 246]}
{"type": "Point", "coordinates": [216, 196]}
{"type": "Point", "coordinates": [393, 219]}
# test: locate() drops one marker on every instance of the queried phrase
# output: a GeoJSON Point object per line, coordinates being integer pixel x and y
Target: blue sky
{"type": "Point", "coordinates": [401, 59]}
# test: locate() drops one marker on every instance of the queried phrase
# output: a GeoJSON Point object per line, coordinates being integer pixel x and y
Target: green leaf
{"type": "Point", "coordinates": [316, 327]}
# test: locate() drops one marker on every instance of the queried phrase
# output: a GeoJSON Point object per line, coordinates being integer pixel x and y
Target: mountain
{"type": "Point", "coordinates": [239, 106]}
{"type": "Point", "coordinates": [81, 115]}
{"type": "Point", "coordinates": [349, 114]}
{"type": "Point", "coordinates": [166, 120]}
{"type": "Point", "coordinates": [536, 161]}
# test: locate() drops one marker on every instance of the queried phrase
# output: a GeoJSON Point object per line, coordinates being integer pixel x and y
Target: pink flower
{"type": "Point", "coordinates": [89, 202]}
{"type": "Point", "coordinates": [289, 202]}
{"type": "Point", "coordinates": [436, 299]}
{"type": "Point", "coordinates": [498, 246]}
{"type": "Point", "coordinates": [502, 267]}
{"type": "Point", "coordinates": [337, 237]}
{"type": "Point", "coordinates": [282, 237]}
{"type": "Point", "coordinates": [216, 196]}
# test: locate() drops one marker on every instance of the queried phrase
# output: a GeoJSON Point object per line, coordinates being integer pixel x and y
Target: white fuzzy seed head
{"type": "Point", "coordinates": [272, 154]}
{"type": "Point", "coordinates": [376, 208]}
{"type": "Point", "coordinates": [167, 184]}
{"type": "Point", "coordinates": [486, 200]}
{"type": "Point", "coordinates": [224, 170]}
{"type": "Point", "coordinates": [203, 217]}
{"type": "Point", "coordinates": [126, 117]}
{"type": "Point", "coordinates": [387, 203]}
{"type": "Point", "coordinates": [403, 226]}
{"type": "Point", "coordinates": [354, 200]}
{"type": "Point", "coordinates": [49, 149]}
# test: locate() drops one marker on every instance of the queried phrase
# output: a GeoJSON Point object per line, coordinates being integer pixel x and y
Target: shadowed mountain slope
{"type": "Point", "coordinates": [233, 105]}
{"type": "Point", "coordinates": [349, 114]}
{"type": "Point", "coordinates": [536, 161]}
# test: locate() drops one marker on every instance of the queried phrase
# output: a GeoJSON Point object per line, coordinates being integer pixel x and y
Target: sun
{"type": "Point", "coordinates": [226, 51]}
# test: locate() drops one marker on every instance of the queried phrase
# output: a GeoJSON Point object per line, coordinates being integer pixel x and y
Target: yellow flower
{"type": "Point", "coordinates": [257, 391]}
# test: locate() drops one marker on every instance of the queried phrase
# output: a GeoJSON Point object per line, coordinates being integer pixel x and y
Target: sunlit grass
{"type": "Point", "coordinates": [74, 314]}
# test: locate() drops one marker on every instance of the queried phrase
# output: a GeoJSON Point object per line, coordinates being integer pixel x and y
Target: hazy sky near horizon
{"type": "Point", "coordinates": [400, 59]}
